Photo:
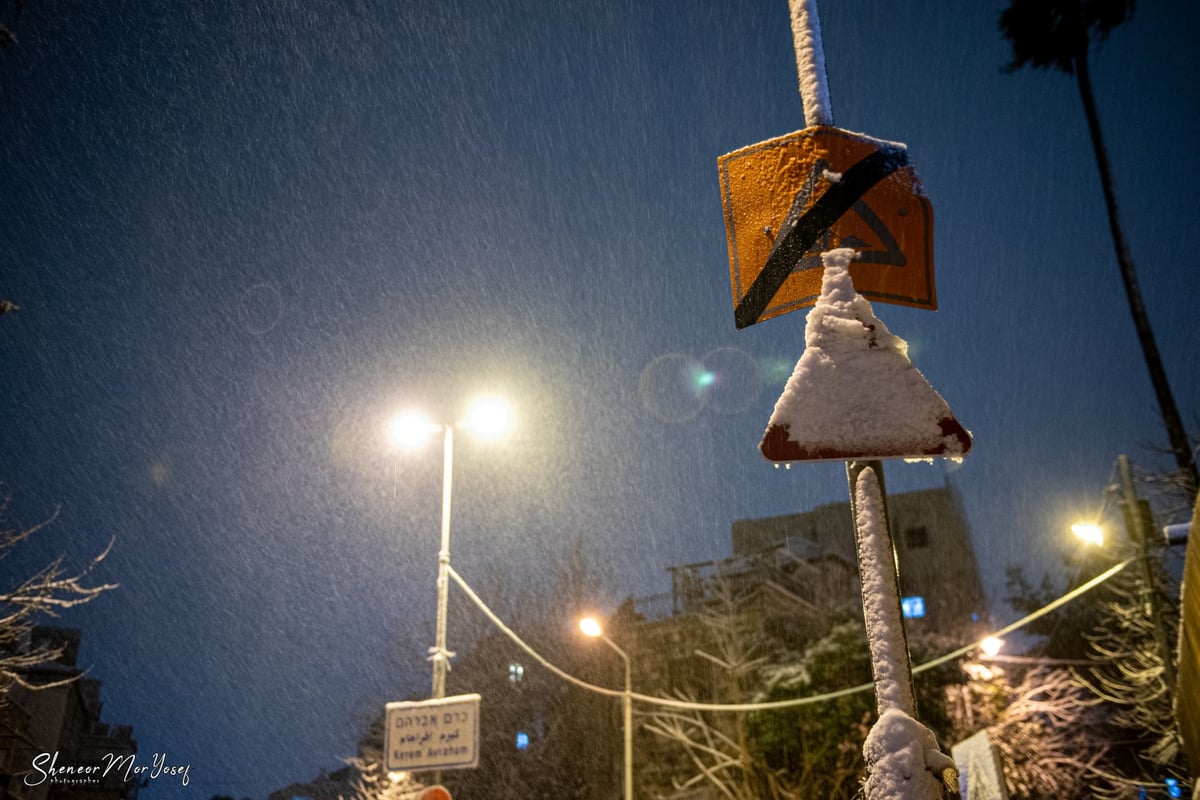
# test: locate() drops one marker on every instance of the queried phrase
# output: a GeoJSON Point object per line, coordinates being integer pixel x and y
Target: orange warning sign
{"type": "Point", "coordinates": [789, 199]}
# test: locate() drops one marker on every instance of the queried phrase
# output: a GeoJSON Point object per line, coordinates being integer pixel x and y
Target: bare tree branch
{"type": "Point", "coordinates": [46, 593]}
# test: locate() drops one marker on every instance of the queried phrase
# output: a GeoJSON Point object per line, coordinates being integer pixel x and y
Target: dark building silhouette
{"type": "Point", "coordinates": [59, 724]}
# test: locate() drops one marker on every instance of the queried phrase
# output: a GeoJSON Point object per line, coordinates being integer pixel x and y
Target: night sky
{"type": "Point", "coordinates": [242, 235]}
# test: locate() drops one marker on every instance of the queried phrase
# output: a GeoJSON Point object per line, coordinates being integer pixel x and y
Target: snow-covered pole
{"type": "Point", "coordinates": [903, 759]}
{"type": "Point", "coordinates": [810, 62]}
{"type": "Point", "coordinates": [855, 396]}
{"type": "Point", "coordinates": [880, 579]}
{"type": "Point", "coordinates": [876, 555]}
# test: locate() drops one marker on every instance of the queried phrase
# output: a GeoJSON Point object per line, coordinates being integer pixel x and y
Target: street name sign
{"type": "Point", "coordinates": [432, 734]}
{"type": "Point", "coordinates": [980, 771]}
{"type": "Point", "coordinates": [787, 200]}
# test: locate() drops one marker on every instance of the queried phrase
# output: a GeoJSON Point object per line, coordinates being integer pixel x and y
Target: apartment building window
{"type": "Point", "coordinates": [916, 537]}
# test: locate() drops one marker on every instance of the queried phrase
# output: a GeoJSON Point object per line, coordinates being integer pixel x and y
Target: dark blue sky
{"type": "Point", "coordinates": [242, 234]}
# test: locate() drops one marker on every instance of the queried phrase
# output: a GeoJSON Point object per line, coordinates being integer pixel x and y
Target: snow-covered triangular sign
{"type": "Point", "coordinates": [854, 395]}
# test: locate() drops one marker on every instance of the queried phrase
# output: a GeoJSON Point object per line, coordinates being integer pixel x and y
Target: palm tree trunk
{"type": "Point", "coordinates": [1180, 445]}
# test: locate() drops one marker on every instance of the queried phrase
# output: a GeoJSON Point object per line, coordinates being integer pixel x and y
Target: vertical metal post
{"type": "Point", "coordinates": [810, 62]}
{"type": "Point", "coordinates": [1135, 524]}
{"type": "Point", "coordinates": [628, 713]}
{"type": "Point", "coordinates": [440, 655]}
{"type": "Point", "coordinates": [880, 579]}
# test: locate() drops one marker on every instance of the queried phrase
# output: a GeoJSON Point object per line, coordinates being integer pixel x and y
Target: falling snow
{"type": "Point", "coordinates": [240, 235]}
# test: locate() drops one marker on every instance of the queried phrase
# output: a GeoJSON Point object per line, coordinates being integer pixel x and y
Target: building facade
{"type": "Point", "coordinates": [939, 573]}
{"type": "Point", "coordinates": [57, 726]}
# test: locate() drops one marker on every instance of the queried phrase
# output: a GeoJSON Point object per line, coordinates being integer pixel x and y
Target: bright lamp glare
{"type": "Point", "coordinates": [410, 430]}
{"type": "Point", "coordinates": [1089, 532]}
{"type": "Point", "coordinates": [590, 627]}
{"type": "Point", "coordinates": [991, 646]}
{"type": "Point", "coordinates": [490, 417]}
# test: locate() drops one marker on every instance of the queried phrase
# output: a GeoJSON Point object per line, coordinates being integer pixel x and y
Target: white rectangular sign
{"type": "Point", "coordinates": [432, 734]}
{"type": "Point", "coordinates": [980, 770]}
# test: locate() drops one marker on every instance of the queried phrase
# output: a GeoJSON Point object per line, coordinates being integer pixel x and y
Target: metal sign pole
{"type": "Point", "coordinates": [880, 579]}
{"type": "Point", "coordinates": [810, 62]}
{"type": "Point", "coordinates": [833, 181]}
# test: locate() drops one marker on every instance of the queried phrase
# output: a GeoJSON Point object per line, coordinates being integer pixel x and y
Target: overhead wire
{"type": "Point", "coordinates": [688, 705]}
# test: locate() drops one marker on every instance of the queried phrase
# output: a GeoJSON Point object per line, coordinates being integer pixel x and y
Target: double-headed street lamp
{"type": "Point", "coordinates": [487, 418]}
{"type": "Point", "coordinates": [591, 627]}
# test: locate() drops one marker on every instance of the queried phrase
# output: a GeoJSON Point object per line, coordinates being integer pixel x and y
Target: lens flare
{"type": "Point", "coordinates": [735, 384]}
{"type": "Point", "coordinates": [669, 387]}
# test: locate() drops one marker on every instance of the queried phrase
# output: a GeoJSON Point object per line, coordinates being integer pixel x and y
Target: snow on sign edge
{"type": "Point", "coordinates": [854, 394]}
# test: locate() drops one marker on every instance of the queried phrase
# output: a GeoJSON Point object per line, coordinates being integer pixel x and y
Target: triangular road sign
{"type": "Point", "coordinates": [854, 394]}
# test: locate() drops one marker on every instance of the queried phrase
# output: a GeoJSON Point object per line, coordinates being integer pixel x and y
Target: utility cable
{"type": "Point", "coordinates": [776, 704]}
{"type": "Point", "coordinates": [535, 655]}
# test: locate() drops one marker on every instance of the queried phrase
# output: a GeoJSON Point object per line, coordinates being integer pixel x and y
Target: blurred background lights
{"type": "Point", "coordinates": [991, 646]}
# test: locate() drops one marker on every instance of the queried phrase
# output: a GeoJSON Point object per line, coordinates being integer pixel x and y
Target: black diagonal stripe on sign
{"type": "Point", "coordinates": [794, 243]}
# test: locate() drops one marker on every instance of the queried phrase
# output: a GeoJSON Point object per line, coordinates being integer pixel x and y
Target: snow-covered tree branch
{"type": "Point", "coordinates": [46, 593]}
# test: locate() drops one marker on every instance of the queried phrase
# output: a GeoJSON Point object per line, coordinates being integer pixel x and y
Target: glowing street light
{"type": "Point", "coordinates": [488, 418]}
{"type": "Point", "coordinates": [410, 430]}
{"type": "Point", "coordinates": [991, 646]}
{"type": "Point", "coordinates": [590, 626]}
{"type": "Point", "coordinates": [1089, 532]}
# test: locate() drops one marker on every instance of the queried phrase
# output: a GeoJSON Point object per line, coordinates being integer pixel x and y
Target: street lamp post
{"type": "Point", "coordinates": [488, 418]}
{"type": "Point", "coordinates": [1138, 523]}
{"type": "Point", "coordinates": [439, 654]}
{"type": "Point", "coordinates": [1138, 528]}
{"type": "Point", "coordinates": [591, 627]}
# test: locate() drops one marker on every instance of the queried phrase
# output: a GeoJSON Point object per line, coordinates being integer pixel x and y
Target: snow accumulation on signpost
{"type": "Point", "coordinates": [854, 394]}
{"type": "Point", "coordinates": [902, 755]}
{"type": "Point", "coordinates": [810, 62]}
{"type": "Point", "coordinates": [884, 620]}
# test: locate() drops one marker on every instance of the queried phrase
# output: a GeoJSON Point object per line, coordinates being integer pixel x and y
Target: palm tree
{"type": "Point", "coordinates": [1056, 34]}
